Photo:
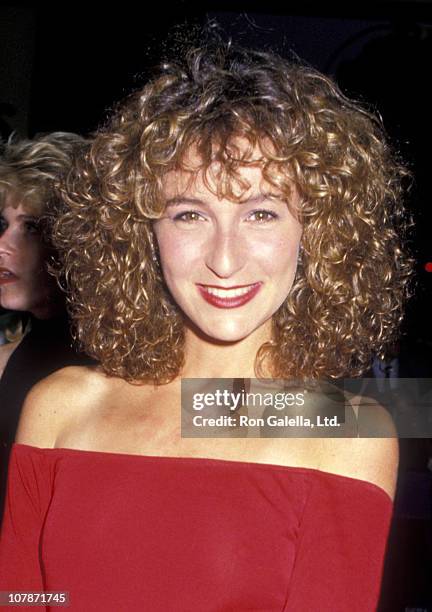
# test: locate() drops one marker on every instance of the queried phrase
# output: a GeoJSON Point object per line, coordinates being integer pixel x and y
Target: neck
{"type": "Point", "coordinates": [207, 358]}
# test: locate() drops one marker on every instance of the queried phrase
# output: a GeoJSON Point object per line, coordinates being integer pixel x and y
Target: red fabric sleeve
{"type": "Point", "coordinates": [27, 501]}
{"type": "Point", "coordinates": [341, 548]}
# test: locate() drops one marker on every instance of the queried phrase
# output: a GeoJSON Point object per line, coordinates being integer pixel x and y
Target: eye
{"type": "Point", "coordinates": [3, 225]}
{"type": "Point", "coordinates": [262, 216]}
{"type": "Point", "coordinates": [189, 216]}
{"type": "Point", "coordinates": [32, 226]}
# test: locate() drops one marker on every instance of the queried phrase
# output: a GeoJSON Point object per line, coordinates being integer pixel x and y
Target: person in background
{"type": "Point", "coordinates": [30, 175]}
{"type": "Point", "coordinates": [12, 328]}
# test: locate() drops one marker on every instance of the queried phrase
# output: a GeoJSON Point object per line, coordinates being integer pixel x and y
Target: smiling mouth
{"type": "Point", "coordinates": [228, 297]}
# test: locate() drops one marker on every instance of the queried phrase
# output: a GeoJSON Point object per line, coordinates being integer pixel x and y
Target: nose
{"type": "Point", "coordinates": [226, 254]}
{"type": "Point", "coordinates": [6, 246]}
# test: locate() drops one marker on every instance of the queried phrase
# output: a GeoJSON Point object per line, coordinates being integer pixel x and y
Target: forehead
{"type": "Point", "coordinates": [13, 207]}
{"type": "Point", "coordinates": [248, 179]}
{"type": "Point", "coordinates": [234, 173]}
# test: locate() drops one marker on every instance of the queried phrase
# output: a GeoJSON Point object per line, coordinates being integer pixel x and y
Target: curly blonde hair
{"type": "Point", "coordinates": [346, 301]}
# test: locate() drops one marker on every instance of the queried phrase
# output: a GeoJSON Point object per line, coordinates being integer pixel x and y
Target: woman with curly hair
{"type": "Point", "coordinates": [237, 218]}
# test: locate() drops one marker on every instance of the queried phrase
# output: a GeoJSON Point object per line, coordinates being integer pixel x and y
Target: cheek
{"type": "Point", "coordinates": [32, 256]}
{"type": "Point", "coordinates": [179, 255]}
{"type": "Point", "coordinates": [41, 257]}
{"type": "Point", "coordinates": [280, 258]}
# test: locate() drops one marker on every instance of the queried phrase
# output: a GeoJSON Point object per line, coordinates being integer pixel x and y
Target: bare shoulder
{"type": "Point", "coordinates": [373, 459]}
{"type": "Point", "coordinates": [55, 401]}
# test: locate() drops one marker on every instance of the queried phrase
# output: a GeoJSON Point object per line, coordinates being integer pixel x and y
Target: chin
{"type": "Point", "coordinates": [18, 303]}
{"type": "Point", "coordinates": [11, 304]}
{"type": "Point", "coordinates": [226, 333]}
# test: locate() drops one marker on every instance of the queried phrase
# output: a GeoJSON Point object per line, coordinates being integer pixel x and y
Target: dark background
{"type": "Point", "coordinates": [63, 66]}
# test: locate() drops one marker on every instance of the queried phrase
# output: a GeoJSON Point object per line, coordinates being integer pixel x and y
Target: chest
{"type": "Point", "coordinates": [187, 533]}
{"type": "Point", "coordinates": [147, 421]}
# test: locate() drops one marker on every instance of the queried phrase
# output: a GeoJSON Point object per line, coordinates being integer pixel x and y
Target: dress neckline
{"type": "Point", "coordinates": [209, 461]}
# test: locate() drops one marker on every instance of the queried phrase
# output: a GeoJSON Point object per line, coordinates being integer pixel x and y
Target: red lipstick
{"type": "Point", "coordinates": [6, 276]}
{"type": "Point", "coordinates": [228, 297]}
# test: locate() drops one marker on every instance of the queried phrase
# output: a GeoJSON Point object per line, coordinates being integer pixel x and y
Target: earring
{"type": "Point", "coordinates": [300, 253]}
{"type": "Point", "coordinates": [154, 252]}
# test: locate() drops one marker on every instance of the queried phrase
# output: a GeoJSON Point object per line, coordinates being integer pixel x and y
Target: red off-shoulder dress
{"type": "Point", "coordinates": [123, 532]}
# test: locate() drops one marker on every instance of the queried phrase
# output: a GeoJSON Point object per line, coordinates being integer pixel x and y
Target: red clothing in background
{"type": "Point", "coordinates": [163, 534]}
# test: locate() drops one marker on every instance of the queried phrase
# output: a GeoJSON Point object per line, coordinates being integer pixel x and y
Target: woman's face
{"type": "Point", "coordinates": [25, 284]}
{"type": "Point", "coordinates": [229, 266]}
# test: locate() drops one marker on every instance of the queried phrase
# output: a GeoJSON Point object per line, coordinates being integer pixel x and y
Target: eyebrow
{"type": "Point", "coordinates": [257, 199]}
{"type": "Point", "coordinates": [177, 200]}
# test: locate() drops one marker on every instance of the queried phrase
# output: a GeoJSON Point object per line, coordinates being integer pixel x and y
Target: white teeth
{"type": "Point", "coordinates": [228, 293]}
{"type": "Point", "coordinates": [5, 274]}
